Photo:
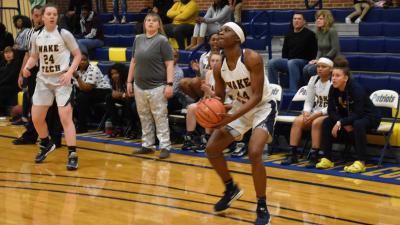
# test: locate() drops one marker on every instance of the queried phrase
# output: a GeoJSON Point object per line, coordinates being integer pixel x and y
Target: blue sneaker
{"type": "Point", "coordinates": [44, 151]}
{"type": "Point", "coordinates": [72, 161]}
{"type": "Point", "coordinates": [263, 217]}
{"type": "Point", "coordinates": [226, 200]}
{"type": "Point", "coordinates": [240, 150]}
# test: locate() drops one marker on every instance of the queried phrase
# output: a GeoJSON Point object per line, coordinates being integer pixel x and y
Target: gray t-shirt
{"type": "Point", "coordinates": [150, 55]}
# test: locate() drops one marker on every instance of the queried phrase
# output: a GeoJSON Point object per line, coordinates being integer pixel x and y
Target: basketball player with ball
{"type": "Point", "coordinates": [242, 70]}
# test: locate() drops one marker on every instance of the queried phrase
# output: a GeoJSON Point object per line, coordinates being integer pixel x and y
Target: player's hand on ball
{"type": "Point", "coordinates": [226, 118]}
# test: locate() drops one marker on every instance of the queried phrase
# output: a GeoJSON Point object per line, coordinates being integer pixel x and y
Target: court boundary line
{"type": "Point", "coordinates": [169, 187]}
{"type": "Point", "coordinates": [269, 163]}
{"type": "Point", "coordinates": [232, 171]}
{"type": "Point", "coordinates": [148, 203]}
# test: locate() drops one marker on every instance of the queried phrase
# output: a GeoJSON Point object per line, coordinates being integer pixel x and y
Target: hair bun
{"type": "Point", "coordinates": [341, 61]}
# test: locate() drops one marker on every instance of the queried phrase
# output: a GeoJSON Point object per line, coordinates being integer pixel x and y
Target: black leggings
{"type": "Point", "coordinates": [179, 32]}
{"type": "Point", "coordinates": [129, 112]}
{"type": "Point", "coordinates": [358, 136]}
{"type": "Point", "coordinates": [84, 100]}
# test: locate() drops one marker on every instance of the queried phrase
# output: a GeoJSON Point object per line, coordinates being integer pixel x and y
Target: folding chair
{"type": "Point", "coordinates": [276, 93]}
{"type": "Point", "coordinates": [290, 114]}
{"type": "Point", "coordinates": [386, 99]}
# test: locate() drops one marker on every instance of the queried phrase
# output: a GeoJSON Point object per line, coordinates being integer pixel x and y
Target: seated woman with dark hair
{"type": "Point", "coordinates": [217, 14]}
{"type": "Point", "coordinates": [119, 99]}
{"type": "Point", "coordinates": [92, 87]}
{"type": "Point", "coordinates": [10, 64]}
{"type": "Point", "coordinates": [23, 24]}
{"type": "Point", "coordinates": [351, 114]}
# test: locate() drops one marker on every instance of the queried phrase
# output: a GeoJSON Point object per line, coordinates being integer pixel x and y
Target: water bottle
{"type": "Point", "coordinates": [108, 127]}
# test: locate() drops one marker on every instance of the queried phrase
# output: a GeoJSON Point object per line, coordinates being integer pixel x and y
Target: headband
{"type": "Point", "coordinates": [325, 61]}
{"type": "Point", "coordinates": [237, 29]}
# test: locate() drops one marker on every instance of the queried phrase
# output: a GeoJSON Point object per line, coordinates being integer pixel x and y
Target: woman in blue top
{"type": "Point", "coordinates": [219, 13]}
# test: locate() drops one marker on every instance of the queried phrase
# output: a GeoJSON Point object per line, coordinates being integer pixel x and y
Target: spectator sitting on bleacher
{"type": "Point", "coordinates": [23, 24]}
{"type": "Point", "coordinates": [191, 86]}
{"type": "Point", "coordinates": [92, 87]}
{"type": "Point", "coordinates": [237, 10]}
{"type": "Point", "coordinates": [299, 47]}
{"type": "Point", "coordinates": [328, 42]}
{"type": "Point", "coordinates": [119, 99]}
{"type": "Point", "coordinates": [183, 14]}
{"type": "Point", "coordinates": [361, 9]}
{"type": "Point", "coordinates": [217, 14]}
{"type": "Point", "coordinates": [351, 114]}
{"type": "Point", "coordinates": [6, 38]}
{"type": "Point", "coordinates": [314, 112]}
{"type": "Point", "coordinates": [160, 7]}
{"type": "Point", "coordinates": [10, 64]}
{"type": "Point", "coordinates": [91, 31]}
{"type": "Point", "coordinates": [115, 11]}
{"type": "Point", "coordinates": [73, 14]}
{"type": "Point", "coordinates": [179, 99]}
{"type": "Point", "coordinates": [207, 87]}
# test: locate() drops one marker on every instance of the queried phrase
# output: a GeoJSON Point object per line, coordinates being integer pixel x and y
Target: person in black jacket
{"type": "Point", "coordinates": [74, 13]}
{"type": "Point", "coordinates": [6, 38]}
{"type": "Point", "coordinates": [10, 65]}
{"type": "Point", "coordinates": [351, 115]}
{"type": "Point", "coordinates": [299, 47]}
{"type": "Point", "coordinates": [91, 31]}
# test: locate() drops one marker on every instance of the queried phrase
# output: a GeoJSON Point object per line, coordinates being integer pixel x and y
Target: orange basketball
{"type": "Point", "coordinates": [208, 112]}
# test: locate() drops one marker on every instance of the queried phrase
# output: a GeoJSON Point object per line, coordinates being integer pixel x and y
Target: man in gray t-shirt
{"type": "Point", "coordinates": [150, 55]}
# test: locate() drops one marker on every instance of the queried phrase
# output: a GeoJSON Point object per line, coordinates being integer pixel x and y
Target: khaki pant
{"type": "Point", "coordinates": [361, 9]}
{"type": "Point", "coordinates": [237, 13]}
{"type": "Point", "coordinates": [153, 113]}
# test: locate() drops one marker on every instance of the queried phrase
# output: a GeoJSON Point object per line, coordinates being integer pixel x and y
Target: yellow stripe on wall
{"type": "Point", "coordinates": [117, 54]}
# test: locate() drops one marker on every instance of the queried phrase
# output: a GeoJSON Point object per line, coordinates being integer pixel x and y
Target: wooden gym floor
{"type": "Point", "coordinates": [114, 187]}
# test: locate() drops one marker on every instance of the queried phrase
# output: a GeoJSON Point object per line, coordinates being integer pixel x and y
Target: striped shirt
{"type": "Point", "coordinates": [22, 39]}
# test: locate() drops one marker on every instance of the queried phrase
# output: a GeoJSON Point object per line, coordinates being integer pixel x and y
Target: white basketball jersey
{"type": "Point", "coordinates": [317, 95]}
{"type": "Point", "coordinates": [54, 50]}
{"type": "Point", "coordinates": [239, 82]}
